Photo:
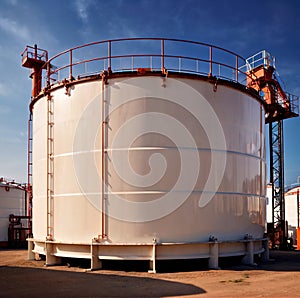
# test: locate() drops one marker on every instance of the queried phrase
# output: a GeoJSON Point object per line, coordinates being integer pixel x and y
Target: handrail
{"type": "Point", "coordinates": [215, 62]}
{"type": "Point", "coordinates": [161, 54]}
{"type": "Point", "coordinates": [294, 102]}
{"type": "Point", "coordinates": [261, 58]}
{"type": "Point", "coordinates": [31, 52]}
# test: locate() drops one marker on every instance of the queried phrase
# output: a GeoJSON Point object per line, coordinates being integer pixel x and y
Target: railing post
{"type": "Point", "coordinates": [210, 61]}
{"type": "Point", "coordinates": [71, 65]}
{"type": "Point", "coordinates": [162, 54]}
{"type": "Point", "coordinates": [35, 52]}
{"type": "Point", "coordinates": [132, 63]}
{"type": "Point", "coordinates": [48, 73]}
{"type": "Point", "coordinates": [265, 60]}
{"type": "Point", "coordinates": [237, 69]}
{"type": "Point", "coordinates": [179, 64]}
{"type": "Point", "coordinates": [109, 56]}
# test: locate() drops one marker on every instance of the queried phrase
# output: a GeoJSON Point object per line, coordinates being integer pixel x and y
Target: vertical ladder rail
{"type": "Point", "coordinates": [35, 59]}
{"type": "Point", "coordinates": [29, 174]}
{"type": "Point", "coordinates": [50, 166]}
{"type": "Point", "coordinates": [103, 152]}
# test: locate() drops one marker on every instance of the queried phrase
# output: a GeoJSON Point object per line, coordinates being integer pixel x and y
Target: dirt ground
{"type": "Point", "coordinates": [279, 277]}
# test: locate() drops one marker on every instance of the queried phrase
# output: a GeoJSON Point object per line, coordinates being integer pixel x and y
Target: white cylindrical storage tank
{"type": "Point", "coordinates": [12, 201]}
{"type": "Point", "coordinates": [292, 211]}
{"type": "Point", "coordinates": [291, 206]}
{"type": "Point", "coordinates": [148, 164]}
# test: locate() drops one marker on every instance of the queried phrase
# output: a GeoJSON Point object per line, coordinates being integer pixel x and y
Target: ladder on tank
{"type": "Point", "coordinates": [29, 175]}
{"type": "Point", "coordinates": [37, 60]}
{"type": "Point", "coordinates": [50, 166]}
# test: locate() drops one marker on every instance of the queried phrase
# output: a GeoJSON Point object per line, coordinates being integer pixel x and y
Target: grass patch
{"type": "Point", "coordinates": [236, 280]}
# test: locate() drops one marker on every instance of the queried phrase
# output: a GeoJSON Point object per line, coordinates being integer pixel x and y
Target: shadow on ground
{"type": "Point", "coordinates": [284, 261]}
{"type": "Point", "coordinates": [33, 282]}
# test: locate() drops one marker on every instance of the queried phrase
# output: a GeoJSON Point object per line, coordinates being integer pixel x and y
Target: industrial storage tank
{"type": "Point", "coordinates": [292, 206]}
{"type": "Point", "coordinates": [146, 149]}
{"type": "Point", "coordinates": [12, 202]}
{"type": "Point", "coordinates": [292, 212]}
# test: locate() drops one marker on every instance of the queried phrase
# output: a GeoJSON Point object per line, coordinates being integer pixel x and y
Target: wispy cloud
{"type": "Point", "coordinates": [12, 2]}
{"type": "Point", "coordinates": [3, 90]}
{"type": "Point", "coordinates": [82, 7]}
{"type": "Point", "coordinates": [12, 27]}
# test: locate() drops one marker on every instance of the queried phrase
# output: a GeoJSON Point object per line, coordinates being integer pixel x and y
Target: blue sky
{"type": "Point", "coordinates": [244, 27]}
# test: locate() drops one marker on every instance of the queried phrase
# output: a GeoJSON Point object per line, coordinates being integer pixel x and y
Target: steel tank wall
{"type": "Point", "coordinates": [12, 201]}
{"type": "Point", "coordinates": [220, 151]}
{"type": "Point", "coordinates": [291, 215]}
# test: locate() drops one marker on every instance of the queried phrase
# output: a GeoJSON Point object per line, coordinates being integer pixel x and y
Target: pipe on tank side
{"type": "Point", "coordinates": [104, 82]}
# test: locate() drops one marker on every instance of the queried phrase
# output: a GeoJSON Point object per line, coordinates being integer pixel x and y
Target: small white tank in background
{"type": "Point", "coordinates": [12, 201]}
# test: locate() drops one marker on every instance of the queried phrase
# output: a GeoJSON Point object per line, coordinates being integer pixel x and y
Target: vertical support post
{"type": "Point", "coordinates": [266, 254]}
{"type": "Point", "coordinates": [210, 61]}
{"type": "Point", "coordinates": [237, 69]}
{"type": "Point", "coordinates": [132, 63]}
{"type": "Point", "coordinates": [162, 55]}
{"type": "Point", "coordinates": [35, 51]}
{"type": "Point", "coordinates": [30, 253]}
{"type": "Point", "coordinates": [277, 180]}
{"type": "Point", "coordinates": [281, 177]}
{"type": "Point", "coordinates": [109, 56]}
{"type": "Point", "coordinates": [264, 56]}
{"type": "Point", "coordinates": [153, 259]}
{"type": "Point", "coordinates": [95, 262]}
{"type": "Point", "coordinates": [50, 258]}
{"type": "Point", "coordinates": [213, 261]}
{"type": "Point", "coordinates": [48, 74]}
{"type": "Point", "coordinates": [248, 259]}
{"type": "Point", "coordinates": [36, 75]}
{"type": "Point", "coordinates": [71, 65]}
{"type": "Point", "coordinates": [298, 209]}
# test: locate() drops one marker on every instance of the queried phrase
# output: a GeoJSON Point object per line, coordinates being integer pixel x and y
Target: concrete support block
{"type": "Point", "coordinates": [51, 260]}
{"type": "Point", "coordinates": [31, 254]}
{"type": "Point", "coordinates": [96, 264]}
{"type": "Point", "coordinates": [266, 253]}
{"type": "Point", "coordinates": [213, 261]}
{"type": "Point", "coordinates": [248, 259]}
{"type": "Point", "coordinates": [152, 265]}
